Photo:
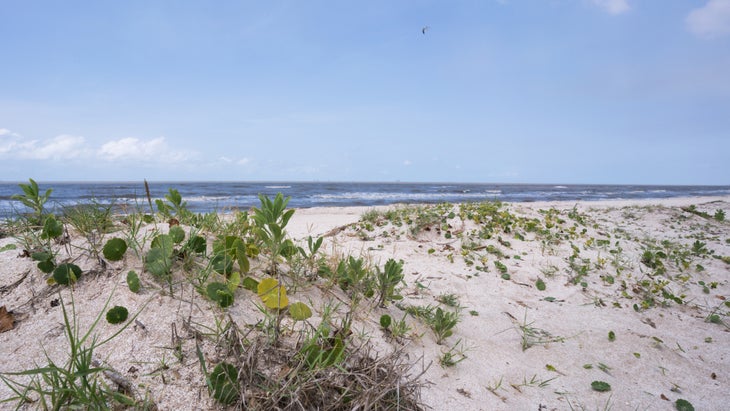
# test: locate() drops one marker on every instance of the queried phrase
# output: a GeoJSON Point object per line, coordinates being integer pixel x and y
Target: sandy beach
{"type": "Point", "coordinates": [549, 298]}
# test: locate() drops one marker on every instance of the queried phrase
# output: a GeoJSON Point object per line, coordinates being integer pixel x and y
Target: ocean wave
{"type": "Point", "coordinates": [277, 187]}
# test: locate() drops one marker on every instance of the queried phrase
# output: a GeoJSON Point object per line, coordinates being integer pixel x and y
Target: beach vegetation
{"type": "Point", "coordinates": [443, 323]}
{"type": "Point", "coordinates": [719, 215]}
{"type": "Point", "coordinates": [76, 384]}
{"type": "Point", "coordinates": [449, 300]}
{"type": "Point", "coordinates": [454, 355]}
{"type": "Point", "coordinates": [34, 200]}
{"type": "Point", "coordinates": [66, 274]}
{"type": "Point", "coordinates": [114, 249]}
{"type": "Point", "coordinates": [133, 281]}
{"type": "Point", "coordinates": [600, 386]}
{"type": "Point", "coordinates": [531, 335]}
{"type": "Point", "coordinates": [173, 206]}
{"type": "Point", "coordinates": [683, 405]}
{"type": "Point", "coordinates": [117, 315]}
{"type": "Point", "coordinates": [387, 282]}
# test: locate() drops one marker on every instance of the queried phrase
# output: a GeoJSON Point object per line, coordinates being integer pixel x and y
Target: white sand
{"type": "Point", "coordinates": [690, 362]}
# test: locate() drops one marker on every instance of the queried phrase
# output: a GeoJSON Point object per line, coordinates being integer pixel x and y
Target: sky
{"type": "Point", "coordinates": [493, 91]}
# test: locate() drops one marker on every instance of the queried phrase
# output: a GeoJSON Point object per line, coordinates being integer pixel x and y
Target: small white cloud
{"type": "Point", "coordinates": [60, 148]}
{"type": "Point", "coordinates": [243, 161]}
{"type": "Point", "coordinates": [132, 148]}
{"type": "Point", "coordinates": [225, 159]}
{"type": "Point", "coordinates": [711, 20]}
{"type": "Point", "coordinates": [613, 6]}
{"type": "Point", "coordinates": [407, 163]}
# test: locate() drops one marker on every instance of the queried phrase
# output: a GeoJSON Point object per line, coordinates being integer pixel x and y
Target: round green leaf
{"type": "Point", "coordinates": [601, 386]}
{"type": "Point", "coordinates": [177, 234]}
{"type": "Point", "coordinates": [299, 311]}
{"type": "Point", "coordinates": [683, 405]}
{"type": "Point", "coordinates": [46, 266]}
{"type": "Point", "coordinates": [222, 263]}
{"type": "Point", "coordinates": [66, 274]}
{"type": "Point", "coordinates": [540, 284]}
{"type": "Point", "coordinates": [114, 249]}
{"type": "Point", "coordinates": [224, 383]}
{"type": "Point", "coordinates": [116, 315]}
{"type": "Point", "coordinates": [385, 321]}
{"type": "Point", "coordinates": [133, 281]}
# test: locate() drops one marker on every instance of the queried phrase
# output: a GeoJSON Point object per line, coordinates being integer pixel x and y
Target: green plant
{"type": "Point", "coordinates": [540, 284]}
{"type": "Point", "coordinates": [719, 215]}
{"type": "Point", "coordinates": [449, 299]}
{"type": "Point", "coordinates": [117, 315]}
{"type": "Point", "coordinates": [66, 274]}
{"type": "Point", "coordinates": [387, 281]}
{"type": "Point", "coordinates": [600, 386]}
{"type": "Point", "coordinates": [271, 219]}
{"type": "Point", "coordinates": [114, 249]}
{"type": "Point", "coordinates": [220, 293]}
{"type": "Point", "coordinates": [683, 405]}
{"type": "Point", "coordinates": [133, 281]}
{"type": "Point", "coordinates": [453, 355]}
{"type": "Point", "coordinates": [531, 336]}
{"type": "Point", "coordinates": [174, 206]}
{"type": "Point", "coordinates": [33, 199]}
{"type": "Point", "coordinates": [442, 323]}
{"type": "Point", "coordinates": [353, 276]}
{"type": "Point", "coordinates": [223, 383]}
{"type": "Point", "coordinates": [385, 321]}
{"type": "Point", "coordinates": [611, 336]}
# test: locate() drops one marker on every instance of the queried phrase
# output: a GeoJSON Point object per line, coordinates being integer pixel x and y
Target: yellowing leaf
{"type": "Point", "coordinates": [272, 294]}
{"type": "Point", "coordinates": [299, 311]}
{"type": "Point", "coordinates": [266, 286]}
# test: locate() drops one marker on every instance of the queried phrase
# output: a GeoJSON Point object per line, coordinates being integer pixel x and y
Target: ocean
{"type": "Point", "coordinates": [227, 196]}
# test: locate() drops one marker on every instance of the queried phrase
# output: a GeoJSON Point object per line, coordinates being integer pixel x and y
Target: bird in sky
{"type": "Point", "coordinates": [424, 29]}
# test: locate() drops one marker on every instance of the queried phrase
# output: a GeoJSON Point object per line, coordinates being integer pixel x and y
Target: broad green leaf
{"type": "Point", "coordinates": [66, 274]}
{"type": "Point", "coordinates": [114, 249]}
{"type": "Point", "coordinates": [177, 234]}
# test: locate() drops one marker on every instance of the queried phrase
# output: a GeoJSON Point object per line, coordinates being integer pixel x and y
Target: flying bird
{"type": "Point", "coordinates": [425, 29]}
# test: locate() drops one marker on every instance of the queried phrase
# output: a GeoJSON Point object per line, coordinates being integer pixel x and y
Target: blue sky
{"type": "Point", "coordinates": [514, 91]}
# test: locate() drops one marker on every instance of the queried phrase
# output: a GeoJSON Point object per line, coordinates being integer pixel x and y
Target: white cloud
{"type": "Point", "coordinates": [407, 163]}
{"type": "Point", "coordinates": [62, 147]}
{"type": "Point", "coordinates": [613, 6]}
{"type": "Point", "coordinates": [132, 148]}
{"type": "Point", "coordinates": [243, 161]}
{"type": "Point", "coordinates": [710, 21]}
